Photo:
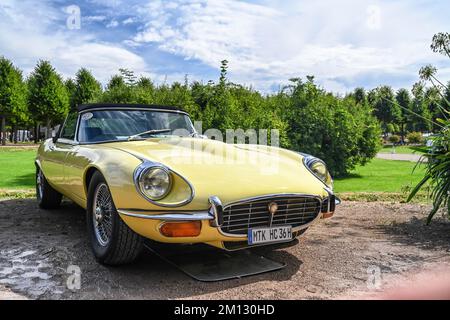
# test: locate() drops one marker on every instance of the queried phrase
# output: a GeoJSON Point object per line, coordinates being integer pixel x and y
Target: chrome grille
{"type": "Point", "coordinates": [292, 210]}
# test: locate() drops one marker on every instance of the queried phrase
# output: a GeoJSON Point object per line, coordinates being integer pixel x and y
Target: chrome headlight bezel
{"type": "Point", "coordinates": [310, 161]}
{"type": "Point", "coordinates": [145, 172]}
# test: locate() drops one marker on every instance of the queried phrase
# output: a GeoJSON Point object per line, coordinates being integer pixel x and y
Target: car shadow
{"type": "Point", "coordinates": [60, 235]}
{"type": "Point", "coordinates": [415, 232]}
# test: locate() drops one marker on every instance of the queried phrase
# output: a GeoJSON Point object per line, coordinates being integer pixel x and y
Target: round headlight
{"type": "Point", "coordinates": [319, 169]}
{"type": "Point", "coordinates": [155, 182]}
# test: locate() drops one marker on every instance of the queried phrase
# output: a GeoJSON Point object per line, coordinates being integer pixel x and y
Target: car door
{"type": "Point", "coordinates": [52, 162]}
{"type": "Point", "coordinates": [59, 150]}
{"type": "Point", "coordinates": [75, 163]}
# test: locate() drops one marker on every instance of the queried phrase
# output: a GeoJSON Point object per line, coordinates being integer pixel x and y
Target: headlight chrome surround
{"type": "Point", "coordinates": [147, 165]}
{"type": "Point", "coordinates": [319, 169]}
{"type": "Point", "coordinates": [146, 184]}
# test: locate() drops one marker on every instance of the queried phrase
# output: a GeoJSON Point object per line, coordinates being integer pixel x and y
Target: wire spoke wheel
{"type": "Point", "coordinates": [102, 214]}
{"type": "Point", "coordinates": [39, 183]}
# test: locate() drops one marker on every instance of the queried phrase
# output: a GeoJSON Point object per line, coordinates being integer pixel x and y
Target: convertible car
{"type": "Point", "coordinates": [142, 171]}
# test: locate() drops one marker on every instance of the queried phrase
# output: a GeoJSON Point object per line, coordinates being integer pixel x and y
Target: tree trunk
{"type": "Point", "coordinates": [402, 133]}
{"type": "Point", "coordinates": [36, 133]}
{"type": "Point", "coordinates": [3, 131]}
{"type": "Point", "coordinates": [16, 135]}
{"type": "Point", "coordinates": [49, 130]}
{"type": "Point", "coordinates": [13, 131]}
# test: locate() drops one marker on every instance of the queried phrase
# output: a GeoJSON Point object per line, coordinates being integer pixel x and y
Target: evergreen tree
{"type": "Point", "coordinates": [12, 95]}
{"type": "Point", "coordinates": [48, 99]}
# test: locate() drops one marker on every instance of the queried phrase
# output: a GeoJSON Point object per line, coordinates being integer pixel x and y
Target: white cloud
{"type": "Point", "coordinates": [93, 18]}
{"type": "Point", "coordinates": [128, 21]}
{"type": "Point", "coordinates": [28, 40]}
{"type": "Point", "coordinates": [112, 24]}
{"type": "Point", "coordinates": [344, 44]}
{"type": "Point", "coordinates": [270, 43]}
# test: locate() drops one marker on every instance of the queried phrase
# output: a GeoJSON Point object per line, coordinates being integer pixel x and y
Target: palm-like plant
{"type": "Point", "coordinates": [437, 172]}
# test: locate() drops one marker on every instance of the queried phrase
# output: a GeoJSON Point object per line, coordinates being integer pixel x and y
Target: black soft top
{"type": "Point", "coordinates": [94, 106]}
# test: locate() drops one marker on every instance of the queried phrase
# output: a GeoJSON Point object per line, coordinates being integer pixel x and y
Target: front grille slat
{"type": "Point", "coordinates": [280, 211]}
{"type": "Point", "coordinates": [292, 210]}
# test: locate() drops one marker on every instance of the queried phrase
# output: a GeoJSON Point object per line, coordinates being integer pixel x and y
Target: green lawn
{"type": "Point", "coordinates": [403, 149]}
{"type": "Point", "coordinates": [17, 168]}
{"type": "Point", "coordinates": [381, 176]}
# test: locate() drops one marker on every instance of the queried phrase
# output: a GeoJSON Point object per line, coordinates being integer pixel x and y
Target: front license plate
{"type": "Point", "coordinates": [265, 235]}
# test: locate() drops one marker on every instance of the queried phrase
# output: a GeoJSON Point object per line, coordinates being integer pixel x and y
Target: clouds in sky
{"type": "Point", "coordinates": [344, 44]}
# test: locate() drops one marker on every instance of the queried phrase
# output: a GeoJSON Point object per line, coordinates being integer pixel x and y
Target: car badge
{"type": "Point", "coordinates": [273, 208]}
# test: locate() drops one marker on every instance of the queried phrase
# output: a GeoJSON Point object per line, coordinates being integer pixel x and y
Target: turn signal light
{"type": "Point", "coordinates": [181, 229]}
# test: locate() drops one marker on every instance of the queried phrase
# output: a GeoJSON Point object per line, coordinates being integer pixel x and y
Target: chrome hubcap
{"type": "Point", "coordinates": [39, 182]}
{"type": "Point", "coordinates": [102, 214]}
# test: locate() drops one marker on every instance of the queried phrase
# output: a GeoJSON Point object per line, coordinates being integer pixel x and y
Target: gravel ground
{"type": "Point", "coordinates": [364, 248]}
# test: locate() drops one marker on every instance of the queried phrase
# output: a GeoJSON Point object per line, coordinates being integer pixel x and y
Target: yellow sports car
{"type": "Point", "coordinates": [142, 171]}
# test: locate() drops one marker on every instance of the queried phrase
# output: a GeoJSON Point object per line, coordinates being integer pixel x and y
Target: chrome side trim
{"type": "Point", "coordinates": [272, 196]}
{"type": "Point", "coordinates": [148, 164]}
{"type": "Point", "coordinates": [172, 216]}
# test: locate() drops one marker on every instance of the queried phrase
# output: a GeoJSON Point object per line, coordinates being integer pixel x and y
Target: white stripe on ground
{"type": "Point", "coordinates": [400, 156]}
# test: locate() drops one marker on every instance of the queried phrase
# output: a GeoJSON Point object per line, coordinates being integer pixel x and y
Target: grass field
{"type": "Point", "coordinates": [17, 168]}
{"type": "Point", "coordinates": [403, 149]}
{"type": "Point", "coordinates": [385, 176]}
{"type": "Point", "coordinates": [381, 176]}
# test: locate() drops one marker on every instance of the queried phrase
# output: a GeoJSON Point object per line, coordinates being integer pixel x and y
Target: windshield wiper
{"type": "Point", "coordinates": [148, 132]}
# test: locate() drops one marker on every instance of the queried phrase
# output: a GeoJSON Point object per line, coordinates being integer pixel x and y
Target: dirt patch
{"type": "Point", "coordinates": [365, 248]}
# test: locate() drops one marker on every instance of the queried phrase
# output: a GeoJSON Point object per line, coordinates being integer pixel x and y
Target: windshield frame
{"type": "Point", "coordinates": [76, 141]}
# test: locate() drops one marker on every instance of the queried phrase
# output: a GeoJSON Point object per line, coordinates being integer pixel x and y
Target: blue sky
{"type": "Point", "coordinates": [344, 44]}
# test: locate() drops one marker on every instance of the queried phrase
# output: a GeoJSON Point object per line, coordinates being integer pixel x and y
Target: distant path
{"type": "Point", "coordinates": [399, 156]}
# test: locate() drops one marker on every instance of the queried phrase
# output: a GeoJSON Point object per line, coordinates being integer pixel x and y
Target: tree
{"type": "Point", "coordinates": [441, 43]}
{"type": "Point", "coordinates": [434, 104]}
{"type": "Point", "coordinates": [403, 99]}
{"type": "Point", "coordinates": [421, 119]}
{"type": "Point", "coordinates": [359, 94]}
{"type": "Point", "coordinates": [48, 99]}
{"type": "Point", "coordinates": [128, 76]}
{"type": "Point", "coordinates": [223, 72]}
{"type": "Point", "coordinates": [385, 109]}
{"type": "Point", "coordinates": [414, 137]}
{"type": "Point", "coordinates": [70, 88]}
{"type": "Point", "coordinates": [117, 91]}
{"type": "Point", "coordinates": [12, 95]}
{"type": "Point", "coordinates": [394, 139]}
{"type": "Point", "coordinates": [87, 88]}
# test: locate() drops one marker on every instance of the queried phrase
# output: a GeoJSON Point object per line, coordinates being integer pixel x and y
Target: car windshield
{"type": "Point", "coordinates": [111, 125]}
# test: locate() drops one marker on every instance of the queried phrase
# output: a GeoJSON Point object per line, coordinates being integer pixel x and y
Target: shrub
{"type": "Point", "coordinates": [394, 139]}
{"type": "Point", "coordinates": [338, 130]}
{"type": "Point", "coordinates": [414, 137]}
{"type": "Point", "coordinates": [438, 170]}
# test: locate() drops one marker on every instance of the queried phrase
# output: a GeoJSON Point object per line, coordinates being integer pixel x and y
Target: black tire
{"type": "Point", "coordinates": [117, 244]}
{"type": "Point", "coordinates": [47, 197]}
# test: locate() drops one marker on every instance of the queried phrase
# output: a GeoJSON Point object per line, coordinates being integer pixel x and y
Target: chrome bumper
{"type": "Point", "coordinates": [172, 216]}
{"type": "Point", "coordinates": [214, 214]}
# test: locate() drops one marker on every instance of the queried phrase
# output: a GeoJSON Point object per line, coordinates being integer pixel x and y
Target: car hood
{"type": "Point", "coordinates": [233, 170]}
